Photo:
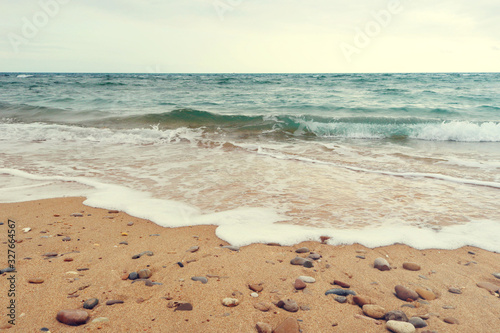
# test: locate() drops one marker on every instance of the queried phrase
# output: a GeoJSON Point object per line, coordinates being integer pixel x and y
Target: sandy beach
{"type": "Point", "coordinates": [74, 253]}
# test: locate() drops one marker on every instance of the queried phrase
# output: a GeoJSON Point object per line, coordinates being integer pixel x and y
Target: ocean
{"type": "Point", "coordinates": [374, 159]}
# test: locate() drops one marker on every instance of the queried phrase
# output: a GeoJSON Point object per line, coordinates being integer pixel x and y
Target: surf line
{"type": "Point", "coordinates": [284, 156]}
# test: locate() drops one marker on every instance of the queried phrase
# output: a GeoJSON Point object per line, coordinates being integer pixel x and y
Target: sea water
{"type": "Point", "coordinates": [375, 159]}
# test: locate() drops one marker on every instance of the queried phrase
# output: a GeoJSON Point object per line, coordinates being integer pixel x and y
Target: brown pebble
{"type": "Point", "coordinates": [451, 320]}
{"type": "Point", "coordinates": [72, 317]}
{"type": "Point", "coordinates": [342, 284]}
{"type": "Point", "coordinates": [68, 259]}
{"type": "Point", "coordinates": [362, 300]}
{"type": "Point", "coordinates": [124, 276]}
{"type": "Point", "coordinates": [299, 284]}
{"type": "Point", "coordinates": [405, 294]}
{"type": "Point", "coordinates": [411, 266]}
{"type": "Point", "coordinates": [489, 286]}
{"type": "Point", "coordinates": [425, 294]}
{"type": "Point", "coordinates": [263, 327]}
{"type": "Point", "coordinates": [36, 281]}
{"type": "Point", "coordinates": [114, 301]}
{"type": "Point", "coordinates": [263, 306]}
{"type": "Point", "coordinates": [184, 307]}
{"type": "Point", "coordinates": [289, 325]}
{"type": "Point", "coordinates": [256, 287]}
{"type": "Point", "coordinates": [113, 211]}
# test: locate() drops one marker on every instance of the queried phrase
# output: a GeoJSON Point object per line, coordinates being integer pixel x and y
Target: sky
{"type": "Point", "coordinates": [249, 36]}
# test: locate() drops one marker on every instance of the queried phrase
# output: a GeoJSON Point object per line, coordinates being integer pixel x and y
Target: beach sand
{"type": "Point", "coordinates": [100, 261]}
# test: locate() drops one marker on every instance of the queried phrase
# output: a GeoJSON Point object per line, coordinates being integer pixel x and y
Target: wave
{"type": "Point", "coordinates": [359, 127]}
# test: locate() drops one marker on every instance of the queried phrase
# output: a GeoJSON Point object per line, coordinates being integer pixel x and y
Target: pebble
{"type": "Point", "coordinates": [340, 292]}
{"type": "Point", "coordinates": [374, 311]}
{"type": "Point", "coordinates": [263, 306]}
{"type": "Point", "coordinates": [308, 264]}
{"type": "Point", "coordinates": [137, 256]}
{"type": "Point", "coordinates": [184, 307]}
{"type": "Point", "coordinates": [231, 247]}
{"type": "Point", "coordinates": [180, 264]}
{"type": "Point", "coordinates": [299, 284]}
{"type": "Point", "coordinates": [361, 301]}
{"type": "Point", "coordinates": [133, 276]}
{"type": "Point", "coordinates": [77, 215]}
{"type": "Point", "coordinates": [411, 266]}
{"type": "Point", "coordinates": [193, 249]}
{"type": "Point", "coordinates": [451, 320]}
{"type": "Point", "coordinates": [72, 317]}
{"type": "Point", "coordinates": [144, 273]}
{"type": "Point", "coordinates": [425, 294]}
{"type": "Point", "coordinates": [50, 254]}
{"type": "Point", "coordinates": [289, 305]}
{"type": "Point", "coordinates": [305, 308]}
{"type": "Point", "coordinates": [342, 284]}
{"type": "Point", "coordinates": [100, 320]}
{"type": "Point", "coordinates": [44, 329]}
{"type": "Point", "coordinates": [289, 325]}
{"type": "Point", "coordinates": [25, 230]}
{"type": "Point", "coordinates": [230, 302]}
{"type": "Point", "coordinates": [123, 243]}
{"type": "Point", "coordinates": [314, 256]}
{"type": "Point", "coordinates": [263, 327]}
{"type": "Point", "coordinates": [256, 287]}
{"type": "Point", "coordinates": [124, 234]}
{"type": "Point", "coordinates": [8, 269]}
{"type": "Point", "coordinates": [254, 295]}
{"type": "Point", "coordinates": [114, 301]}
{"type": "Point", "coordinates": [488, 286]}
{"type": "Point", "coordinates": [68, 259]}
{"type": "Point", "coordinates": [417, 322]}
{"type": "Point", "coordinates": [423, 277]}
{"type": "Point", "coordinates": [307, 279]}
{"type": "Point", "coordinates": [90, 303]}
{"type": "Point", "coordinates": [201, 279]}
{"type": "Point", "coordinates": [361, 257]}
{"type": "Point", "coordinates": [341, 299]}
{"type": "Point", "coordinates": [130, 224]}
{"type": "Point", "coordinates": [381, 264]}
{"type": "Point", "coordinates": [36, 281]}
{"type": "Point", "coordinates": [400, 326]}
{"type": "Point", "coordinates": [448, 307]}
{"type": "Point", "coordinates": [302, 250]}
{"type": "Point", "coordinates": [455, 290]}
{"type": "Point", "coordinates": [298, 261]}
{"type": "Point", "coordinates": [497, 275]}
{"type": "Point", "coordinates": [66, 239]}
{"type": "Point", "coordinates": [405, 294]}
{"type": "Point", "coordinates": [396, 315]}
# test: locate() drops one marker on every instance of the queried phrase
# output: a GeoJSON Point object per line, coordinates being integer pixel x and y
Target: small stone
{"type": "Point", "coordinates": [77, 215]}
{"type": "Point", "coordinates": [184, 307]}
{"type": "Point", "coordinates": [455, 290]}
{"type": "Point", "coordinates": [305, 308]}
{"type": "Point", "coordinates": [411, 266]}
{"type": "Point", "coordinates": [68, 259]}
{"type": "Point", "coordinates": [130, 224]}
{"type": "Point", "coordinates": [302, 250]}
{"type": "Point", "coordinates": [123, 243]}
{"type": "Point", "coordinates": [124, 276]}
{"type": "Point", "coordinates": [308, 264]}
{"type": "Point", "coordinates": [299, 284]}
{"type": "Point", "coordinates": [298, 261]}
{"type": "Point", "coordinates": [417, 322]}
{"type": "Point", "coordinates": [193, 249]}
{"type": "Point", "coordinates": [263, 327]}
{"type": "Point", "coordinates": [231, 247]}
{"type": "Point", "coordinates": [408, 305]}
{"type": "Point", "coordinates": [423, 277]}
{"type": "Point", "coordinates": [451, 320]}
{"type": "Point", "coordinates": [124, 234]}
{"type": "Point", "coordinates": [361, 257]}
{"type": "Point", "coordinates": [50, 254]}
{"type": "Point", "coordinates": [263, 306]}
{"type": "Point", "coordinates": [341, 299]}
{"type": "Point", "coordinates": [497, 275]}
{"type": "Point", "coordinates": [488, 286]}
{"type": "Point", "coordinates": [44, 329]}
{"type": "Point", "coordinates": [256, 287]}
{"type": "Point", "coordinates": [100, 320]}
{"type": "Point", "coordinates": [230, 302]}
{"type": "Point", "coordinates": [90, 303]}
{"type": "Point", "coordinates": [381, 264]}
{"type": "Point", "coordinates": [314, 256]}
{"type": "Point", "coordinates": [36, 281]}
{"type": "Point", "coordinates": [342, 284]}
{"type": "Point", "coordinates": [144, 274]}
{"type": "Point", "coordinates": [289, 305]}
{"type": "Point", "coordinates": [362, 301]}
{"type": "Point", "coordinates": [133, 276]}
{"type": "Point", "coordinates": [421, 301]}
{"type": "Point", "coordinates": [255, 295]}
{"type": "Point", "coordinates": [289, 325]}
{"type": "Point", "coordinates": [400, 326]}
{"type": "Point", "coordinates": [66, 239]}
{"type": "Point", "coordinates": [425, 294]}
{"type": "Point", "coordinates": [448, 307]}
{"type": "Point", "coordinates": [396, 315]}
{"type": "Point", "coordinates": [113, 211]}
{"type": "Point", "coordinates": [180, 264]}
{"type": "Point", "coordinates": [340, 292]}
{"type": "Point", "coordinates": [25, 230]}
{"type": "Point", "coordinates": [72, 317]}
{"type": "Point", "coordinates": [114, 301]}
{"type": "Point", "coordinates": [307, 279]}
{"type": "Point", "coordinates": [405, 294]}
{"type": "Point", "coordinates": [201, 279]}
{"type": "Point", "coordinates": [374, 311]}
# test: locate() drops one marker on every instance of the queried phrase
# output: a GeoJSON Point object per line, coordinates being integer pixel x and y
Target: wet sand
{"type": "Point", "coordinates": [100, 262]}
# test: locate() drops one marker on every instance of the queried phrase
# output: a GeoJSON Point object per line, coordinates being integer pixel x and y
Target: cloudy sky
{"type": "Point", "coordinates": [247, 36]}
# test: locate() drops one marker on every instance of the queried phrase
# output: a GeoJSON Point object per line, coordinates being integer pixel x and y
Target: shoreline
{"type": "Point", "coordinates": [100, 261]}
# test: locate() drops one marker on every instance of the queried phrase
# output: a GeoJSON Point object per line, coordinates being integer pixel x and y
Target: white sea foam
{"type": "Point", "coordinates": [246, 225]}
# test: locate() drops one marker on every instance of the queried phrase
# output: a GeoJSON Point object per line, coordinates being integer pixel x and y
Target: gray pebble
{"type": "Point", "coordinates": [308, 264]}
{"type": "Point", "coordinates": [423, 277]}
{"type": "Point", "coordinates": [231, 247]}
{"type": "Point", "coordinates": [302, 250]}
{"type": "Point", "coordinates": [90, 303]}
{"type": "Point", "coordinates": [133, 276]}
{"type": "Point", "coordinates": [340, 292]}
{"type": "Point", "coordinates": [497, 275]}
{"type": "Point", "coordinates": [448, 307]}
{"type": "Point", "coordinates": [455, 290]}
{"type": "Point", "coordinates": [202, 279]}
{"type": "Point", "coordinates": [341, 299]}
{"type": "Point", "coordinates": [417, 322]}
{"type": "Point", "coordinates": [298, 261]}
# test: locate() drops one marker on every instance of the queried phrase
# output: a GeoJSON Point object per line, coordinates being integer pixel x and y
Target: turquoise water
{"type": "Point", "coordinates": [368, 158]}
